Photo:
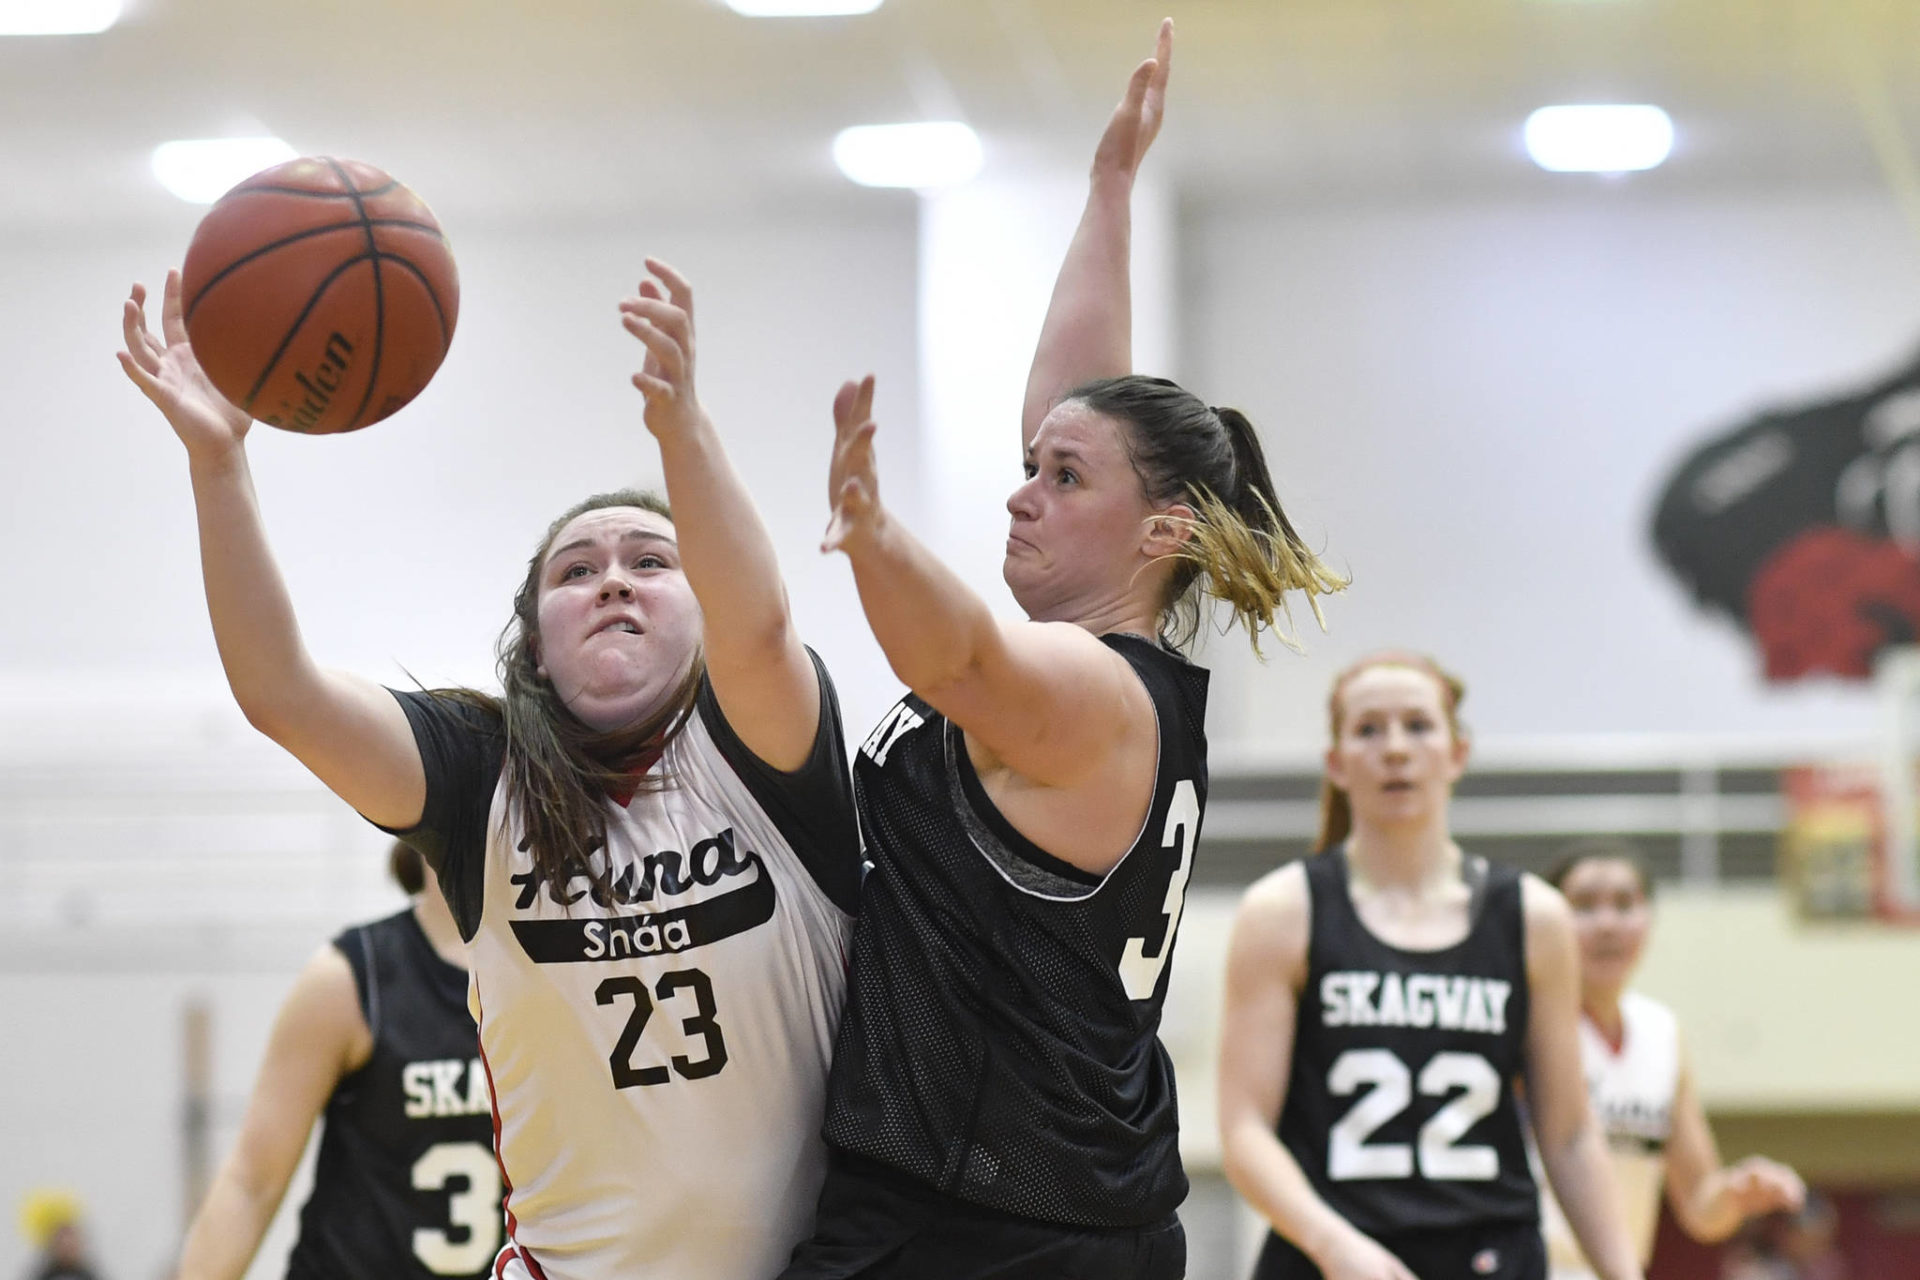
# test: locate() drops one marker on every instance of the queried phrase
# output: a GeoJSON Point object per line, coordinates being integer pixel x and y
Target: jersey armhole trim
{"type": "Point", "coordinates": [1019, 845]}
{"type": "Point", "coordinates": [794, 800]}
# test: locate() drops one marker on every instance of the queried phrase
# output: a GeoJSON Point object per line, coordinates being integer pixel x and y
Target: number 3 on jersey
{"type": "Point", "coordinates": [473, 1209]}
{"type": "Point", "coordinates": [1389, 1083]}
{"type": "Point", "coordinates": [1140, 972]}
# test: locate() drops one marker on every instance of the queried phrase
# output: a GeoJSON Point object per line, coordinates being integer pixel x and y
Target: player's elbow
{"type": "Point", "coordinates": [1241, 1139]}
{"type": "Point", "coordinates": [277, 717]}
{"type": "Point", "coordinates": [285, 706]}
{"type": "Point", "coordinates": [943, 672]}
{"type": "Point", "coordinates": [251, 1181]}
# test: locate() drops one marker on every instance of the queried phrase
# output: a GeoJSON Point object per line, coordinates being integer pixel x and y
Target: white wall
{"type": "Point", "coordinates": [1473, 406]}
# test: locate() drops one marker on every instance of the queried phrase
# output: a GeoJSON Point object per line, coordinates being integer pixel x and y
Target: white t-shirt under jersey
{"type": "Point", "coordinates": [1632, 1092]}
{"type": "Point", "coordinates": [658, 1057]}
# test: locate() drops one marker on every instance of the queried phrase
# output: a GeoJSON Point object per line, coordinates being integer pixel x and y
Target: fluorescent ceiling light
{"type": "Point", "coordinates": [57, 17]}
{"type": "Point", "coordinates": [201, 170]}
{"type": "Point", "coordinates": [1599, 139]}
{"type": "Point", "coordinates": [802, 8]}
{"type": "Point", "coordinates": [935, 153]}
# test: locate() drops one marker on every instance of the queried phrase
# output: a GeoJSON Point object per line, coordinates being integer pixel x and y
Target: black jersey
{"type": "Point", "coordinates": [406, 1184]}
{"type": "Point", "coordinates": [999, 1038]}
{"type": "Point", "coordinates": [1401, 1107]}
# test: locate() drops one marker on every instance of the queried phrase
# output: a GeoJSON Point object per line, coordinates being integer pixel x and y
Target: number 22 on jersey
{"type": "Point", "coordinates": [1390, 1084]}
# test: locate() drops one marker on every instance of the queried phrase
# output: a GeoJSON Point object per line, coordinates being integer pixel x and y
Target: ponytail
{"type": "Point", "coordinates": [1336, 817]}
{"type": "Point", "coordinates": [1246, 551]}
{"type": "Point", "coordinates": [406, 868]}
{"type": "Point", "coordinates": [1240, 547]}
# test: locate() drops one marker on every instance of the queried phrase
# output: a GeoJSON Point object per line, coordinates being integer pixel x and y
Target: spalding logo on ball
{"type": "Point", "coordinates": [320, 295]}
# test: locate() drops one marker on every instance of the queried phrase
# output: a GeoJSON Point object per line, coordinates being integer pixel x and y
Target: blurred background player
{"type": "Point", "coordinates": [1385, 997]}
{"type": "Point", "coordinates": [376, 1038]}
{"type": "Point", "coordinates": [1639, 1078]}
{"type": "Point", "coordinates": [50, 1219]}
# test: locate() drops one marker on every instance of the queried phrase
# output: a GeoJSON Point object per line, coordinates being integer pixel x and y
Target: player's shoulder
{"type": "Point", "coordinates": [1279, 889]}
{"type": "Point", "coordinates": [1275, 915]}
{"type": "Point", "coordinates": [399, 924]}
{"type": "Point", "coordinates": [323, 1007]}
{"type": "Point", "coordinates": [1644, 1013]}
{"type": "Point", "coordinates": [1543, 906]}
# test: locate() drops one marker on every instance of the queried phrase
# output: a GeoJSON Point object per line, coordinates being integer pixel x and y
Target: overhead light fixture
{"type": "Point", "coordinates": [1599, 138]}
{"type": "Point", "coordinates": [802, 8]}
{"type": "Point", "coordinates": [57, 17]}
{"type": "Point", "coordinates": [934, 153]}
{"type": "Point", "coordinates": [201, 170]}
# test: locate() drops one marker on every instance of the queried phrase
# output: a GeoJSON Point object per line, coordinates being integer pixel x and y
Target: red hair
{"type": "Point", "coordinates": [1336, 810]}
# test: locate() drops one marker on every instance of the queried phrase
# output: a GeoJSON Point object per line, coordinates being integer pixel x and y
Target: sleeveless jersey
{"type": "Point", "coordinates": [658, 1053]}
{"type": "Point", "coordinates": [405, 1185]}
{"type": "Point", "coordinates": [1401, 1107]}
{"type": "Point", "coordinates": [1000, 1040]}
{"type": "Point", "coordinates": [1632, 1092]}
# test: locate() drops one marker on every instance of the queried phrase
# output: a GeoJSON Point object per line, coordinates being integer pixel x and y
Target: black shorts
{"type": "Point", "coordinates": [1497, 1251]}
{"type": "Point", "coordinates": [876, 1223]}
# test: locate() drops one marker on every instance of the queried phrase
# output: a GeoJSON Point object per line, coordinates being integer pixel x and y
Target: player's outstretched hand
{"type": "Point", "coordinates": [166, 372]}
{"type": "Point", "coordinates": [1758, 1185]}
{"type": "Point", "coordinates": [853, 483]}
{"type": "Point", "coordinates": [1136, 121]}
{"type": "Point", "coordinates": [661, 316]}
{"type": "Point", "coordinates": [1362, 1259]}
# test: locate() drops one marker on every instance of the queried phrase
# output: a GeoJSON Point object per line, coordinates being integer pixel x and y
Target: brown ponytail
{"type": "Point", "coordinates": [1336, 817]}
{"type": "Point", "coordinates": [1241, 548]}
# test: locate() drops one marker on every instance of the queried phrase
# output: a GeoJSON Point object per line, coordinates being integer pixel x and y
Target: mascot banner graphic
{"type": "Point", "coordinates": [1804, 526]}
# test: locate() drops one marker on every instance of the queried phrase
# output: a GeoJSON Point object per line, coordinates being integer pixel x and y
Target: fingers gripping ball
{"type": "Point", "coordinates": [320, 295]}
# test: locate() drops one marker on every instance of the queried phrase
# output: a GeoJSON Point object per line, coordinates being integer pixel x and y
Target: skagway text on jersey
{"type": "Point", "coordinates": [669, 874]}
{"type": "Point", "coordinates": [1449, 1002]}
{"type": "Point", "coordinates": [434, 1088]}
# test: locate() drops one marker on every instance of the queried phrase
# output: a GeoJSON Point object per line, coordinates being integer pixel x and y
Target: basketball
{"type": "Point", "coordinates": [320, 295]}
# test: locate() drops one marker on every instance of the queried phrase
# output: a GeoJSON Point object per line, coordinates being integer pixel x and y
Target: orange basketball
{"type": "Point", "coordinates": [320, 295]}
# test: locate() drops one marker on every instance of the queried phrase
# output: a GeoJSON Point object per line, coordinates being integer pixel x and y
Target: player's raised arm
{"type": "Point", "coordinates": [761, 673]}
{"type": "Point", "coordinates": [1088, 331]}
{"type": "Point", "coordinates": [347, 730]}
{"type": "Point", "coordinates": [1570, 1143]}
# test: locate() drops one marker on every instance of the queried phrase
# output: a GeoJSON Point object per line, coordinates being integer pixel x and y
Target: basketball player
{"type": "Point", "coordinates": [1000, 1105]}
{"type": "Point", "coordinates": [1639, 1079]}
{"type": "Point", "coordinates": [1384, 999]}
{"type": "Point", "coordinates": [376, 1037]}
{"type": "Point", "coordinates": [648, 842]}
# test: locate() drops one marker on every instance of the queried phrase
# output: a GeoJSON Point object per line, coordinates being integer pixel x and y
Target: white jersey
{"type": "Point", "coordinates": [1632, 1092]}
{"type": "Point", "coordinates": [658, 1055]}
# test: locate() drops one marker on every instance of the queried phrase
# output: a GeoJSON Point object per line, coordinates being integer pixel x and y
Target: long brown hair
{"type": "Point", "coordinates": [1241, 548]}
{"type": "Point", "coordinates": [559, 772]}
{"type": "Point", "coordinates": [1336, 809]}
